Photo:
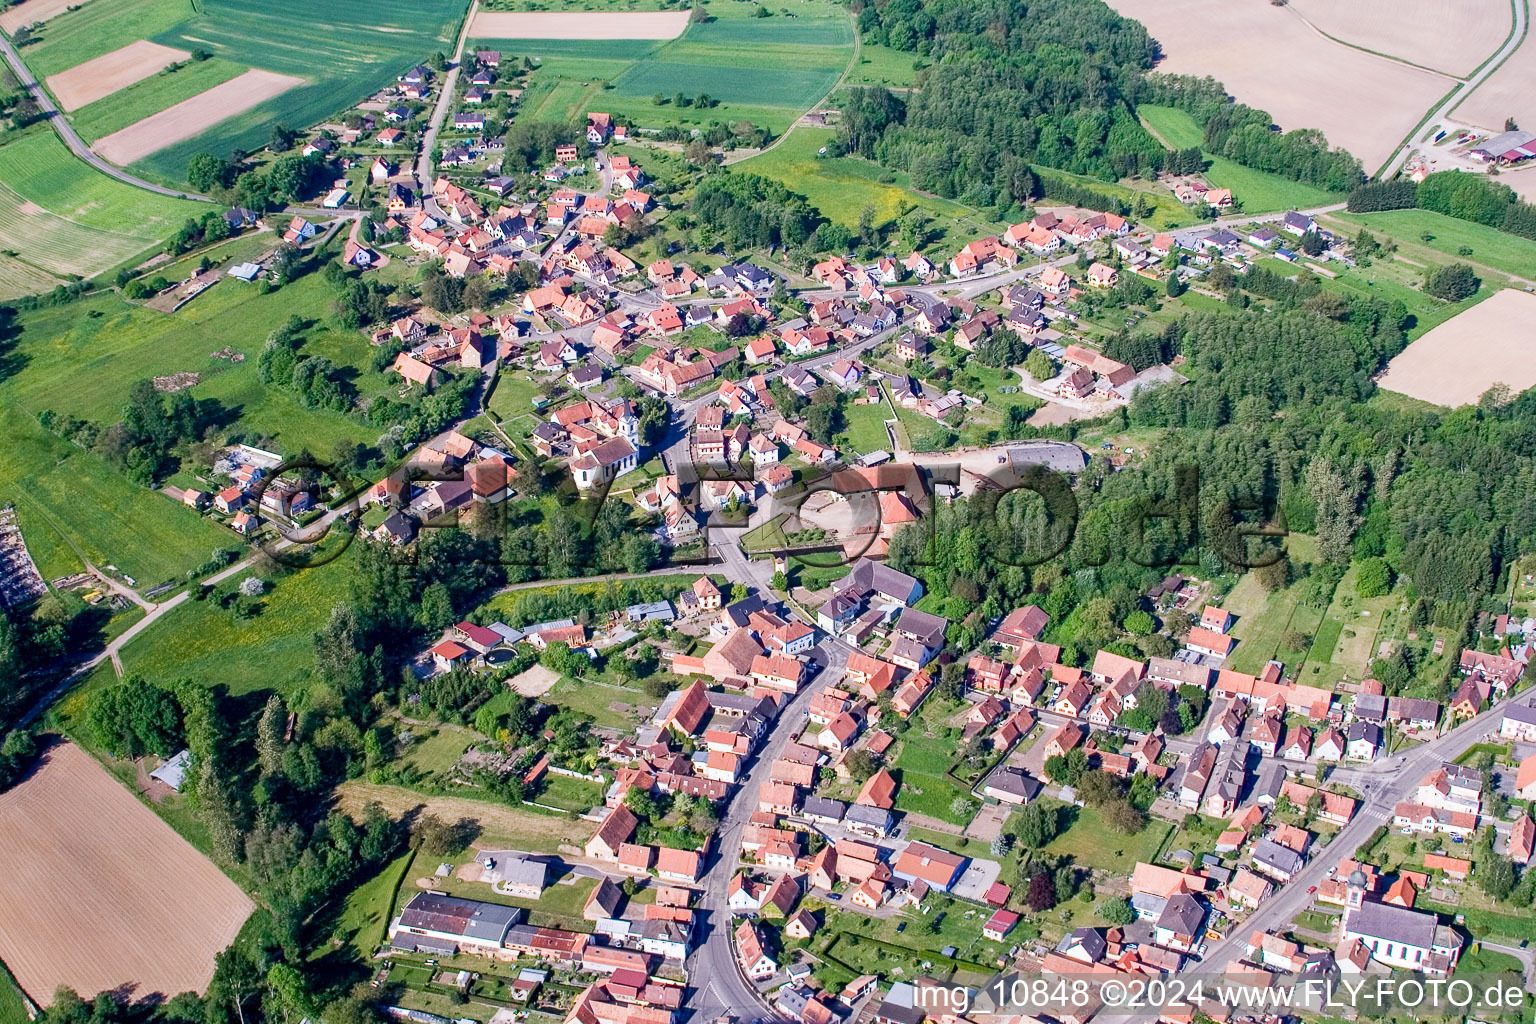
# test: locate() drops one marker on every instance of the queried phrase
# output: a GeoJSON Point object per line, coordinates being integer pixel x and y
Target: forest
{"type": "Point", "coordinates": [1053, 83]}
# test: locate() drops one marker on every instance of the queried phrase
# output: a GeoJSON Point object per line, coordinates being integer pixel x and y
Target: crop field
{"type": "Point", "coordinates": [70, 219]}
{"type": "Point", "coordinates": [1397, 28]}
{"type": "Point", "coordinates": [1270, 59]}
{"type": "Point", "coordinates": [1509, 92]}
{"type": "Point", "coordinates": [100, 27]}
{"type": "Point", "coordinates": [1257, 191]}
{"type": "Point", "coordinates": [764, 70]}
{"type": "Point", "coordinates": [1456, 362]}
{"type": "Point", "coordinates": [355, 49]}
{"type": "Point", "coordinates": [189, 118]}
{"type": "Point", "coordinates": [88, 929]}
{"type": "Point", "coordinates": [104, 75]}
{"type": "Point", "coordinates": [153, 94]}
{"type": "Point", "coordinates": [580, 24]}
{"type": "Point", "coordinates": [18, 277]}
{"type": "Point", "coordinates": [31, 12]}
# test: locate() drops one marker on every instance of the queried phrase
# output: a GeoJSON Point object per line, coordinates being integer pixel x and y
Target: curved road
{"type": "Point", "coordinates": [1463, 90]}
{"type": "Point", "coordinates": [67, 132]}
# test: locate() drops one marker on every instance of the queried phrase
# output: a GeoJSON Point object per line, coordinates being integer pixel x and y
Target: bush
{"type": "Point", "coordinates": [1452, 283]}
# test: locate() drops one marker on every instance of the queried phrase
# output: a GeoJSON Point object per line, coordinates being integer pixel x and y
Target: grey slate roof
{"type": "Point", "coordinates": [1396, 924]}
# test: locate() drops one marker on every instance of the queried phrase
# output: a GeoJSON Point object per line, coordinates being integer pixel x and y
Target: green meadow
{"type": "Point", "coordinates": [840, 187]}
{"type": "Point", "coordinates": [1257, 191]}
{"type": "Point", "coordinates": [82, 359]}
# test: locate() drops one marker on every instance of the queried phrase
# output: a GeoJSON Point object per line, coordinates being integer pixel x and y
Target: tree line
{"type": "Point", "coordinates": [1467, 197]}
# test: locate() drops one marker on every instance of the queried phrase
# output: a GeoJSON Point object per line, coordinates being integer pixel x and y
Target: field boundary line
{"type": "Point", "coordinates": [71, 138]}
{"type": "Point", "coordinates": [6, 192]}
{"type": "Point", "coordinates": [853, 62]}
{"type": "Point", "coordinates": [1374, 53]}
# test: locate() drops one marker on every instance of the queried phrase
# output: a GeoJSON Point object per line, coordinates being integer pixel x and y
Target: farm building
{"type": "Point", "coordinates": [433, 923]}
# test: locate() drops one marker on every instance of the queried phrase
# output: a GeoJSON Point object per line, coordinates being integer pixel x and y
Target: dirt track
{"type": "Point", "coordinates": [105, 75]}
{"type": "Point", "coordinates": [578, 25]}
{"type": "Point", "coordinates": [189, 117]}
{"type": "Point", "coordinates": [1456, 362]}
{"type": "Point", "coordinates": [97, 893]}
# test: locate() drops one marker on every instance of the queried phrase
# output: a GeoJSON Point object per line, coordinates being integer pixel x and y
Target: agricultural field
{"type": "Point", "coordinates": [1256, 191]}
{"type": "Point", "coordinates": [1396, 28]}
{"type": "Point", "coordinates": [764, 70]}
{"type": "Point", "coordinates": [1456, 362]}
{"type": "Point", "coordinates": [1509, 92]}
{"type": "Point", "coordinates": [354, 51]}
{"type": "Point", "coordinates": [188, 118]}
{"type": "Point", "coordinates": [105, 75]}
{"type": "Point", "coordinates": [841, 187]}
{"type": "Point", "coordinates": [140, 100]}
{"type": "Point", "coordinates": [87, 929]}
{"type": "Point", "coordinates": [1270, 59]}
{"type": "Point", "coordinates": [99, 27]}
{"type": "Point", "coordinates": [1447, 235]}
{"type": "Point", "coordinates": [67, 218]}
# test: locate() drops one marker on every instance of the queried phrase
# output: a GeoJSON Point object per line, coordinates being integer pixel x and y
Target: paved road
{"type": "Point", "coordinates": [424, 168]}
{"type": "Point", "coordinates": [1463, 90]}
{"type": "Point", "coordinates": [67, 131]}
{"type": "Point", "coordinates": [1390, 781]}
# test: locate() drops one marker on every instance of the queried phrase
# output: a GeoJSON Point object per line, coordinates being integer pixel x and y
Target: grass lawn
{"type": "Point", "coordinates": [570, 794]}
{"type": "Point", "coordinates": [841, 187]}
{"type": "Point", "coordinates": [866, 428]}
{"type": "Point", "coordinates": [272, 651]}
{"type": "Point", "coordinates": [436, 748]}
{"type": "Point", "coordinates": [613, 706]}
{"type": "Point", "coordinates": [364, 920]}
{"type": "Point", "coordinates": [1091, 843]}
{"type": "Point", "coordinates": [1256, 191]}
{"type": "Point", "coordinates": [1509, 253]}
{"type": "Point", "coordinates": [882, 65]}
